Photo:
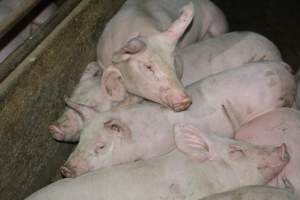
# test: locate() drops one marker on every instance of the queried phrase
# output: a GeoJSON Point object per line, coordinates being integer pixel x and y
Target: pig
{"type": "Point", "coordinates": [138, 44]}
{"type": "Point", "coordinates": [254, 192]}
{"type": "Point", "coordinates": [199, 60]}
{"type": "Point", "coordinates": [225, 52]}
{"type": "Point", "coordinates": [144, 130]}
{"type": "Point", "coordinates": [275, 127]}
{"type": "Point", "coordinates": [202, 164]}
{"type": "Point", "coordinates": [90, 94]}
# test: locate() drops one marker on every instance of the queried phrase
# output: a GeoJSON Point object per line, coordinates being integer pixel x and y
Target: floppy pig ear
{"type": "Point", "coordinates": [133, 46]}
{"type": "Point", "coordinates": [188, 139]}
{"type": "Point", "coordinates": [178, 27]}
{"type": "Point", "coordinates": [118, 128]}
{"type": "Point", "coordinates": [91, 70]}
{"type": "Point", "coordinates": [113, 85]}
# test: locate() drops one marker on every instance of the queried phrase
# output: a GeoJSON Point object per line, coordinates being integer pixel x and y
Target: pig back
{"type": "Point", "coordinates": [225, 52]}
{"type": "Point", "coordinates": [244, 92]}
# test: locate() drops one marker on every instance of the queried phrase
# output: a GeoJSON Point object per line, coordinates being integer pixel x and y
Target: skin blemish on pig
{"type": "Point", "coordinates": [272, 82]}
{"type": "Point", "coordinates": [269, 73]}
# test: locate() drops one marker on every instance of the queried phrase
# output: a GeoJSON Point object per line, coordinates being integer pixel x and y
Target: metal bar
{"type": "Point", "coordinates": [12, 61]}
{"type": "Point", "coordinates": [16, 15]}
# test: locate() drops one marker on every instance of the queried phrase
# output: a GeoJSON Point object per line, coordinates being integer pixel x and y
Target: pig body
{"type": "Point", "coordinates": [199, 60]}
{"type": "Point", "coordinates": [275, 127]}
{"type": "Point", "coordinates": [254, 193]}
{"type": "Point", "coordinates": [175, 175]}
{"type": "Point", "coordinates": [227, 51]}
{"type": "Point", "coordinates": [144, 130]}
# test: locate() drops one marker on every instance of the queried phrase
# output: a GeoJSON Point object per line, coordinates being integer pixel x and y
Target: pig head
{"type": "Point", "coordinates": [145, 66]}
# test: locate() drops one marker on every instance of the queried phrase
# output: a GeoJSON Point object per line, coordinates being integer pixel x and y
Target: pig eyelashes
{"type": "Point", "coordinates": [236, 151]}
{"type": "Point", "coordinates": [99, 148]}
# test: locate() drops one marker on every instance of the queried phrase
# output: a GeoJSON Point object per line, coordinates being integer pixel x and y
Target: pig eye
{"type": "Point", "coordinates": [236, 152]}
{"type": "Point", "coordinates": [148, 68]}
{"type": "Point", "coordinates": [113, 125]}
{"type": "Point", "coordinates": [99, 148]}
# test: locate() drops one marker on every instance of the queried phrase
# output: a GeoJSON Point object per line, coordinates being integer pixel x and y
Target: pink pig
{"type": "Point", "coordinates": [138, 44]}
{"type": "Point", "coordinates": [275, 127]}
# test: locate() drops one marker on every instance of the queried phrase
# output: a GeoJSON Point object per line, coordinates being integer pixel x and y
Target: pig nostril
{"type": "Point", "coordinates": [66, 172]}
{"type": "Point", "coordinates": [56, 132]}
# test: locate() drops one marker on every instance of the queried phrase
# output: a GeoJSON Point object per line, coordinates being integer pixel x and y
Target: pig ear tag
{"type": "Point", "coordinates": [118, 128]}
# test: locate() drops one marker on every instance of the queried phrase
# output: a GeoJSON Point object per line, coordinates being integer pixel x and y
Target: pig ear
{"type": "Point", "coordinates": [91, 70]}
{"type": "Point", "coordinates": [178, 27]}
{"type": "Point", "coordinates": [118, 128]}
{"type": "Point", "coordinates": [112, 83]}
{"type": "Point", "coordinates": [232, 116]}
{"type": "Point", "coordinates": [189, 140]}
{"type": "Point", "coordinates": [133, 46]}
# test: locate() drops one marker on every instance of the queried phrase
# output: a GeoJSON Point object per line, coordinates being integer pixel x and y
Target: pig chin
{"type": "Point", "coordinates": [177, 101]}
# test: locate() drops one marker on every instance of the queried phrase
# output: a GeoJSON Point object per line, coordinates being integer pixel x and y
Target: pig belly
{"type": "Point", "coordinates": [274, 128]}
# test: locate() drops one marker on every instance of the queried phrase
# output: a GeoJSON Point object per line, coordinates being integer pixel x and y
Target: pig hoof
{"type": "Point", "coordinates": [66, 172]}
{"type": "Point", "coordinates": [56, 132]}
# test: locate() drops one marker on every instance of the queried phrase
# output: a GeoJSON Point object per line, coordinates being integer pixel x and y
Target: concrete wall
{"type": "Point", "coordinates": [32, 96]}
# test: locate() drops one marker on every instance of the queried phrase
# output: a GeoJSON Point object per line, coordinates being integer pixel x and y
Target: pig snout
{"type": "Point", "coordinates": [176, 100]}
{"type": "Point", "coordinates": [71, 170]}
{"type": "Point", "coordinates": [66, 127]}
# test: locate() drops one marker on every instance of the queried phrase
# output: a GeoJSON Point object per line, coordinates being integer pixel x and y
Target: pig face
{"type": "Point", "coordinates": [145, 66]}
{"type": "Point", "coordinates": [265, 161]}
{"type": "Point", "coordinates": [112, 146]}
{"type": "Point", "coordinates": [86, 96]}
